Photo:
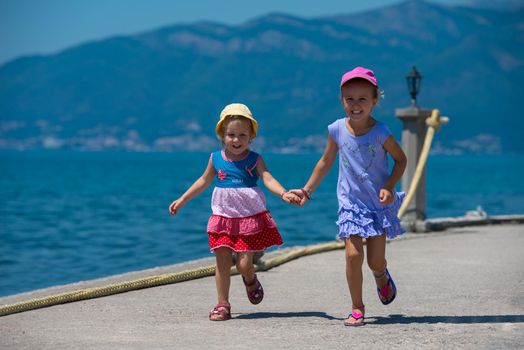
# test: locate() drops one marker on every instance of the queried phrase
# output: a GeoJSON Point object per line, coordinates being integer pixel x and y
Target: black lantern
{"type": "Point", "coordinates": [413, 80]}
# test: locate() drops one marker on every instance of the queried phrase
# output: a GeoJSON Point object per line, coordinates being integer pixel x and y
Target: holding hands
{"type": "Point", "coordinates": [290, 197]}
{"type": "Point", "coordinates": [300, 195]}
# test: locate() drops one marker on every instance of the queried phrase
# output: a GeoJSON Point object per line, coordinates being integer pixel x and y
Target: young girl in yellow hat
{"type": "Point", "coordinates": [240, 221]}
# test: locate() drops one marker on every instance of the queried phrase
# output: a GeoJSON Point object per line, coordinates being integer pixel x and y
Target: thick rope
{"type": "Point", "coordinates": [158, 280]}
{"type": "Point", "coordinates": [434, 124]}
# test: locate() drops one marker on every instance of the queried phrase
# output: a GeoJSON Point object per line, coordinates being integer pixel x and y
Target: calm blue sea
{"type": "Point", "coordinates": [71, 216]}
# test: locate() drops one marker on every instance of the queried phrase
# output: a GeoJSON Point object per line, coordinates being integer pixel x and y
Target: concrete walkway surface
{"type": "Point", "coordinates": [459, 289]}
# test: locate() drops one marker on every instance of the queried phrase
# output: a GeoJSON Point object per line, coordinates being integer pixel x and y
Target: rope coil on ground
{"type": "Point", "coordinates": [89, 293]}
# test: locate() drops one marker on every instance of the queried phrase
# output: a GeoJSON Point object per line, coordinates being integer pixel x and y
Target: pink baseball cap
{"type": "Point", "coordinates": [359, 72]}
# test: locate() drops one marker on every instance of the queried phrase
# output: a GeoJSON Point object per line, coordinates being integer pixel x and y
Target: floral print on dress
{"type": "Point", "coordinates": [221, 175]}
{"type": "Point", "coordinates": [367, 152]}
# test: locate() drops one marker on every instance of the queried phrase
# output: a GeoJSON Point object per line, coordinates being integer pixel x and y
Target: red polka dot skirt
{"type": "Point", "coordinates": [252, 233]}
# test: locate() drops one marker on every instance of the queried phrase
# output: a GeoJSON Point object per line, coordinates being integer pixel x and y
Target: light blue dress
{"type": "Point", "coordinates": [363, 170]}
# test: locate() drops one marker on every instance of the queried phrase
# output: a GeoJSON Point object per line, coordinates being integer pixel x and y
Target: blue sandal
{"type": "Point", "coordinates": [383, 291]}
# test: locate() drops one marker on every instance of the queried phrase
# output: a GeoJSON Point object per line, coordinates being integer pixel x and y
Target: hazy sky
{"type": "Point", "coordinates": [47, 26]}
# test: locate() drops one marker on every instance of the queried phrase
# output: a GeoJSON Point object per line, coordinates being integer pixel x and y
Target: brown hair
{"type": "Point", "coordinates": [376, 90]}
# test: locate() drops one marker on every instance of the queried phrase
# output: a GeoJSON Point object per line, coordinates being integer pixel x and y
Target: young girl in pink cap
{"type": "Point", "coordinates": [368, 202]}
{"type": "Point", "coordinates": [240, 222]}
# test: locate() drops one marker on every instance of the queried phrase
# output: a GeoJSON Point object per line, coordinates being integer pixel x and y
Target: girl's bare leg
{"type": "Point", "coordinates": [245, 266]}
{"type": "Point", "coordinates": [222, 273]}
{"type": "Point", "coordinates": [376, 251]}
{"type": "Point", "coordinates": [354, 260]}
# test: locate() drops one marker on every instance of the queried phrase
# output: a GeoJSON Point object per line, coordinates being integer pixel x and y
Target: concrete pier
{"type": "Point", "coordinates": [459, 288]}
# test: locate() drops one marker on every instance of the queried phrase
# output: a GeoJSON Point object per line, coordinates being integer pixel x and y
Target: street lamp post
{"type": "Point", "coordinates": [413, 79]}
{"type": "Point", "coordinates": [413, 134]}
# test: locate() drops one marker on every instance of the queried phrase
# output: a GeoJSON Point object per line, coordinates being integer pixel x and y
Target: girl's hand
{"type": "Point", "coordinates": [290, 197]}
{"type": "Point", "coordinates": [300, 194]}
{"type": "Point", "coordinates": [386, 196]}
{"type": "Point", "coordinates": [177, 204]}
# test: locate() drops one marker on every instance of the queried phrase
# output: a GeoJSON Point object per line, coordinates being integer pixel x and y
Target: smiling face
{"type": "Point", "coordinates": [237, 136]}
{"type": "Point", "coordinates": [358, 98]}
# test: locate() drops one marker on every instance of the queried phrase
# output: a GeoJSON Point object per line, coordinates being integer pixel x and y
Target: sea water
{"type": "Point", "coordinates": [68, 216]}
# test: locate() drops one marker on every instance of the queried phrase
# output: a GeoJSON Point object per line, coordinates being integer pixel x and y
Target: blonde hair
{"type": "Point", "coordinates": [231, 118]}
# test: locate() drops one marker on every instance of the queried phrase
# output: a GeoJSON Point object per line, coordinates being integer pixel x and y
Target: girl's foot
{"type": "Point", "coordinates": [254, 290]}
{"type": "Point", "coordinates": [386, 289]}
{"type": "Point", "coordinates": [355, 318]}
{"type": "Point", "coordinates": [221, 312]}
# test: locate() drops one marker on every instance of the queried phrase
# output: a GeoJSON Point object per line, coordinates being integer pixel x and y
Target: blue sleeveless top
{"type": "Point", "coordinates": [242, 173]}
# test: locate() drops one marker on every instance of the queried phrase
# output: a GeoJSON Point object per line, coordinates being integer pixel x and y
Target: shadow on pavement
{"type": "Point", "coordinates": [286, 314]}
{"type": "Point", "coordinates": [401, 319]}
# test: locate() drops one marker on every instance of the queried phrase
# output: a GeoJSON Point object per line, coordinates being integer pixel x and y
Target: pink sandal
{"type": "Point", "coordinates": [255, 296]}
{"type": "Point", "coordinates": [221, 312]}
{"type": "Point", "coordinates": [357, 316]}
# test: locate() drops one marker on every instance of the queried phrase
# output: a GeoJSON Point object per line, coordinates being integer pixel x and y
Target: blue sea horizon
{"type": "Point", "coordinates": [68, 216]}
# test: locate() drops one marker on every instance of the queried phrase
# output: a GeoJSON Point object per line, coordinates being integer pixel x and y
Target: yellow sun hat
{"type": "Point", "coordinates": [236, 109]}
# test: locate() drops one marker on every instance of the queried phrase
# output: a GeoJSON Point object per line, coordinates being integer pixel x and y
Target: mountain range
{"type": "Point", "coordinates": [164, 89]}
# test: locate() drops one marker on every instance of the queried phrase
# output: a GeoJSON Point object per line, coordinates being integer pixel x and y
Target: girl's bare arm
{"type": "Point", "coordinates": [319, 172]}
{"type": "Point", "coordinates": [273, 185]}
{"type": "Point", "coordinates": [323, 165]}
{"type": "Point", "coordinates": [396, 152]}
{"type": "Point", "coordinates": [196, 188]}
